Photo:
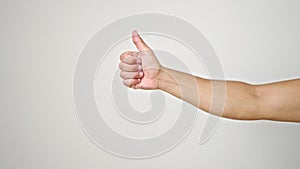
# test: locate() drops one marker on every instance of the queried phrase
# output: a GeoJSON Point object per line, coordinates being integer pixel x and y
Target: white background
{"type": "Point", "coordinates": [40, 41]}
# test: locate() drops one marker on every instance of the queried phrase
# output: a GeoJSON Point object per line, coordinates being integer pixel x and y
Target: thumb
{"type": "Point", "coordinates": [138, 41]}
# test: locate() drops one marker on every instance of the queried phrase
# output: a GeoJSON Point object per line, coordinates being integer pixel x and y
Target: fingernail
{"type": "Point", "coordinates": [135, 54]}
{"type": "Point", "coordinates": [134, 32]}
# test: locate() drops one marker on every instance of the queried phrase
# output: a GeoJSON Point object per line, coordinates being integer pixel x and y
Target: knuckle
{"type": "Point", "coordinates": [124, 55]}
{"type": "Point", "coordinates": [124, 82]}
{"type": "Point", "coordinates": [120, 65]}
{"type": "Point", "coordinates": [122, 74]}
{"type": "Point", "coordinates": [121, 57]}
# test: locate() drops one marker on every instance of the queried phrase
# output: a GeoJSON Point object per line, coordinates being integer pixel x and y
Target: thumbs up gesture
{"type": "Point", "coordinates": [140, 69]}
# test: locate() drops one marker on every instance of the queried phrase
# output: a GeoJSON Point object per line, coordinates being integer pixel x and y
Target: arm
{"type": "Point", "coordinates": [276, 101]}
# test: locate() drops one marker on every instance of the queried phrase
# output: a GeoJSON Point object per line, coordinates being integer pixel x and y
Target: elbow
{"type": "Point", "coordinates": [256, 99]}
{"type": "Point", "coordinates": [266, 103]}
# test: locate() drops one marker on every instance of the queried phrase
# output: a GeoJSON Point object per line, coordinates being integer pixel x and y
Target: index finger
{"type": "Point", "coordinates": [130, 58]}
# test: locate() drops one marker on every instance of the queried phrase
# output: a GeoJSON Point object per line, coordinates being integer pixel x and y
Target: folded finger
{"type": "Point", "coordinates": [130, 57]}
{"type": "Point", "coordinates": [131, 75]}
{"type": "Point", "coordinates": [130, 68]}
{"type": "Point", "coordinates": [131, 82]}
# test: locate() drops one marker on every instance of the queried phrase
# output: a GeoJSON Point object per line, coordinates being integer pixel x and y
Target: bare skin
{"type": "Point", "coordinates": [279, 101]}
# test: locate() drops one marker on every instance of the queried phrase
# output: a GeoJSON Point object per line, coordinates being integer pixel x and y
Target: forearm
{"type": "Point", "coordinates": [185, 86]}
{"type": "Point", "coordinates": [240, 99]}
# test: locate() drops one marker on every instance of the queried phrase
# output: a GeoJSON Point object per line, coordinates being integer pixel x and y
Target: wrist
{"type": "Point", "coordinates": [161, 77]}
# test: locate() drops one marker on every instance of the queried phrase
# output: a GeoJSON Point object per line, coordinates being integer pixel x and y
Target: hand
{"type": "Point", "coordinates": [140, 70]}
